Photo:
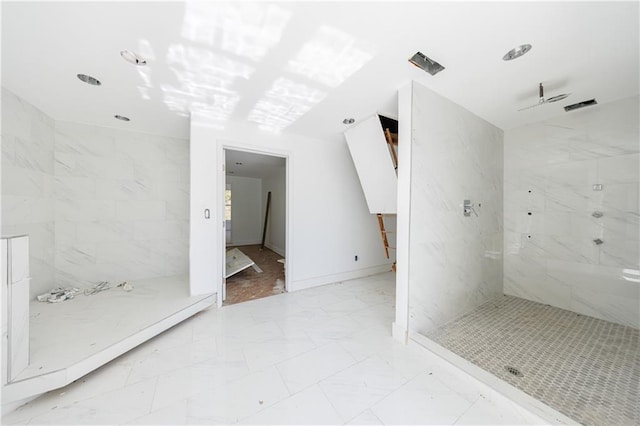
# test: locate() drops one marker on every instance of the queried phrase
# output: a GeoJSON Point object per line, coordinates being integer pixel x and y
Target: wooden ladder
{"type": "Point", "coordinates": [385, 240]}
{"type": "Point", "coordinates": [392, 148]}
{"type": "Point", "coordinates": [383, 231]}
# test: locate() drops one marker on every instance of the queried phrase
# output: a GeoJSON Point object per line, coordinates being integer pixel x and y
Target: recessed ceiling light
{"type": "Point", "coordinates": [122, 117]}
{"type": "Point", "coordinates": [89, 80]}
{"type": "Point", "coordinates": [133, 57]}
{"type": "Point", "coordinates": [349, 120]}
{"type": "Point", "coordinates": [516, 52]}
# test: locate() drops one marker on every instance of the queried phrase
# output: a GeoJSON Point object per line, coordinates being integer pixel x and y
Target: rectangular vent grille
{"type": "Point", "coordinates": [580, 105]}
{"type": "Point", "coordinates": [423, 62]}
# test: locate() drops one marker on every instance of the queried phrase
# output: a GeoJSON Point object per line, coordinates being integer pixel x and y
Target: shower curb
{"type": "Point", "coordinates": [521, 398]}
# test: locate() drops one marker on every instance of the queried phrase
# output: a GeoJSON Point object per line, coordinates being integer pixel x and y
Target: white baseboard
{"type": "Point", "coordinates": [244, 243]}
{"type": "Point", "coordinates": [275, 249]}
{"type": "Point", "coordinates": [334, 278]}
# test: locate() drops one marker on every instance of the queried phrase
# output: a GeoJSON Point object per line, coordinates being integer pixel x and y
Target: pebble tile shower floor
{"type": "Point", "coordinates": [584, 367]}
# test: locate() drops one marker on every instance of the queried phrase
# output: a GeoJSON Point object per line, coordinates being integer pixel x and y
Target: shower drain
{"type": "Point", "coordinates": [514, 371]}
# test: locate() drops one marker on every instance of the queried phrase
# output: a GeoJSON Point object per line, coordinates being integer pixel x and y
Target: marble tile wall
{"type": "Point", "coordinates": [455, 261]}
{"type": "Point", "coordinates": [97, 203]}
{"type": "Point", "coordinates": [549, 172]}
{"type": "Point", "coordinates": [121, 203]}
{"type": "Point", "coordinates": [27, 184]}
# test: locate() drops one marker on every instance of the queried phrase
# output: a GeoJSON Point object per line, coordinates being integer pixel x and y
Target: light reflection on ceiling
{"type": "Point", "coordinates": [223, 47]}
{"type": "Point", "coordinates": [146, 51]}
{"type": "Point", "coordinates": [206, 82]}
{"type": "Point", "coordinates": [243, 29]}
{"type": "Point", "coordinates": [330, 57]}
{"type": "Point", "coordinates": [283, 104]}
{"type": "Point", "coordinates": [632, 275]}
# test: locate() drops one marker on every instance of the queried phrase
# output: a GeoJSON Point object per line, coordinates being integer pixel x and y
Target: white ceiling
{"type": "Point", "coordinates": [302, 67]}
{"type": "Point", "coordinates": [252, 165]}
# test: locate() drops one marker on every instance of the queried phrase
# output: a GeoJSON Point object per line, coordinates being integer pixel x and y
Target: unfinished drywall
{"type": "Point", "coordinates": [328, 217]}
{"type": "Point", "coordinates": [27, 184]}
{"type": "Point", "coordinates": [246, 210]}
{"type": "Point", "coordinates": [276, 232]}
{"type": "Point", "coordinates": [550, 171]}
{"type": "Point", "coordinates": [455, 260]}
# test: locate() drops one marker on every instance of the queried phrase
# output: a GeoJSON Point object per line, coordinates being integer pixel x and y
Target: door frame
{"type": "Point", "coordinates": [220, 190]}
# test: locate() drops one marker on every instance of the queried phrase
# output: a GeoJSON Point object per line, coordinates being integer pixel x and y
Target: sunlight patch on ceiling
{"type": "Point", "coordinates": [330, 57]}
{"type": "Point", "coordinates": [146, 51]}
{"type": "Point", "coordinates": [283, 104]}
{"type": "Point", "coordinates": [206, 82]}
{"type": "Point", "coordinates": [242, 28]}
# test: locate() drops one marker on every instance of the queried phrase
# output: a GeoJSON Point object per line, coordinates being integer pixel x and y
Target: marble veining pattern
{"type": "Point", "coordinates": [455, 261]}
{"type": "Point", "coordinates": [116, 202]}
{"type": "Point", "coordinates": [77, 189]}
{"type": "Point", "coordinates": [28, 184]}
{"type": "Point", "coordinates": [293, 358]}
{"type": "Point", "coordinates": [549, 172]}
{"type": "Point", "coordinates": [97, 203]}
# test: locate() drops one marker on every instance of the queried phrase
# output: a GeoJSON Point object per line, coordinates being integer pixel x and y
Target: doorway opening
{"type": "Point", "coordinates": [255, 207]}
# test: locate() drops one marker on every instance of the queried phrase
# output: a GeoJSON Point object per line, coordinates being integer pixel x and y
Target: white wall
{"type": "Point", "coordinates": [550, 170]}
{"type": "Point", "coordinates": [27, 184]}
{"type": "Point", "coordinates": [455, 261]}
{"type": "Point", "coordinates": [328, 218]}
{"type": "Point", "coordinates": [246, 210]}
{"type": "Point", "coordinates": [97, 203]}
{"type": "Point", "coordinates": [276, 232]}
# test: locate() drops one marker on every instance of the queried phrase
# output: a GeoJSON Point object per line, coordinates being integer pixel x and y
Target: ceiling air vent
{"type": "Point", "coordinates": [421, 61]}
{"type": "Point", "coordinates": [580, 105]}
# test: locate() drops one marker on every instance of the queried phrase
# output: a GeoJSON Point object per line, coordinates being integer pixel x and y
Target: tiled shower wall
{"type": "Point", "coordinates": [98, 203]}
{"type": "Point", "coordinates": [27, 184]}
{"type": "Point", "coordinates": [455, 260]}
{"type": "Point", "coordinates": [549, 200]}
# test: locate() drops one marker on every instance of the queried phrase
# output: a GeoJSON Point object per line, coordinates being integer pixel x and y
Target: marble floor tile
{"type": "Point", "coordinates": [113, 407]}
{"type": "Point", "coordinates": [313, 366]}
{"type": "Point", "coordinates": [424, 400]}
{"type": "Point", "coordinates": [487, 412]}
{"type": "Point", "coordinates": [287, 359]}
{"type": "Point", "coordinates": [308, 407]}
{"type": "Point", "coordinates": [239, 399]}
{"type": "Point", "coordinates": [365, 418]}
{"type": "Point", "coordinates": [196, 379]}
{"type": "Point", "coordinates": [358, 387]}
{"type": "Point", "coordinates": [162, 361]}
{"type": "Point", "coordinates": [173, 414]}
{"type": "Point", "coordinates": [264, 354]}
